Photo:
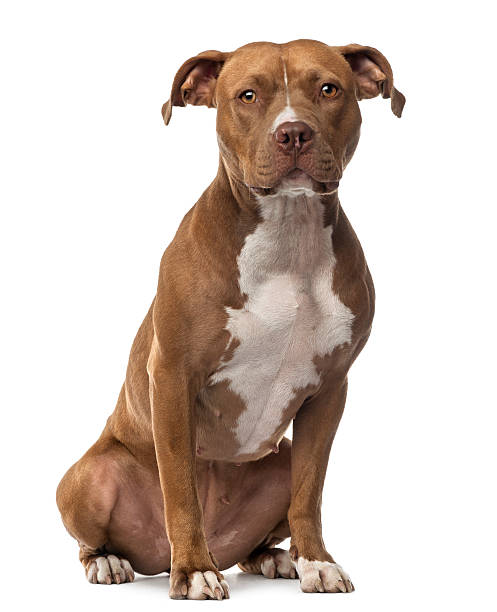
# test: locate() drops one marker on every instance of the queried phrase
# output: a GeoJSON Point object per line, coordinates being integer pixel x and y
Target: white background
{"type": "Point", "coordinates": [93, 188]}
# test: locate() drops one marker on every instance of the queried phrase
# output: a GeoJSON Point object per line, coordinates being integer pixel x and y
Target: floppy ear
{"type": "Point", "coordinates": [195, 82]}
{"type": "Point", "coordinates": [373, 75]}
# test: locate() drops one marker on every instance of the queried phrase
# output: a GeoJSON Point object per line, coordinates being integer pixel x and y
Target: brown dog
{"type": "Point", "coordinates": [264, 300]}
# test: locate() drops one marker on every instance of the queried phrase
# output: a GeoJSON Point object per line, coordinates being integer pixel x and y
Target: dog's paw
{"type": "Point", "coordinates": [109, 569]}
{"type": "Point", "coordinates": [271, 563]}
{"type": "Point", "coordinates": [198, 585]}
{"type": "Point", "coordinates": [323, 577]}
{"type": "Point", "coordinates": [277, 563]}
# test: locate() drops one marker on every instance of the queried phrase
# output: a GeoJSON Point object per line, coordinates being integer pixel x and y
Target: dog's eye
{"type": "Point", "coordinates": [248, 96]}
{"type": "Point", "coordinates": [329, 90]}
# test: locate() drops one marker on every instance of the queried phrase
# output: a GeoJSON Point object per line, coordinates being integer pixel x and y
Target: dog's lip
{"type": "Point", "coordinates": [332, 185]}
{"type": "Point", "coordinates": [298, 178]}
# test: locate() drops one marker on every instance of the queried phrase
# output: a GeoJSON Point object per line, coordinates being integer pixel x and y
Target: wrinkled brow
{"type": "Point", "coordinates": [312, 76]}
{"type": "Point", "coordinates": [257, 80]}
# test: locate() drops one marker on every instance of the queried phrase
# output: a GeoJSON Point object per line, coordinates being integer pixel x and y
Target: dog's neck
{"type": "Point", "coordinates": [229, 211]}
{"type": "Point", "coordinates": [247, 202]}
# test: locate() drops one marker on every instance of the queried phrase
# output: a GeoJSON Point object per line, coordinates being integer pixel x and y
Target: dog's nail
{"type": "Point", "coordinates": [218, 593]}
{"type": "Point", "coordinates": [224, 500]}
{"type": "Point", "coordinates": [184, 590]}
{"type": "Point", "coordinates": [342, 586]}
{"type": "Point", "coordinates": [226, 589]}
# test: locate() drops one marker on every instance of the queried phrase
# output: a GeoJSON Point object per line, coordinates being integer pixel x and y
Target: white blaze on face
{"type": "Point", "coordinates": [287, 114]}
{"type": "Point", "coordinates": [291, 314]}
{"type": "Point", "coordinates": [285, 78]}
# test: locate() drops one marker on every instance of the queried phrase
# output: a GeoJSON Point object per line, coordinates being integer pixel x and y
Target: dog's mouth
{"type": "Point", "coordinates": [298, 181]}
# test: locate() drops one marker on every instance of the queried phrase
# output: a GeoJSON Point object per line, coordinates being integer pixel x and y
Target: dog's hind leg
{"type": "Point", "coordinates": [274, 473]}
{"type": "Point", "coordinates": [86, 498]}
{"type": "Point", "coordinates": [269, 561]}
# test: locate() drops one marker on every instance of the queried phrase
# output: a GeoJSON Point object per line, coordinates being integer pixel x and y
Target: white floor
{"type": "Point", "coordinates": [68, 590]}
{"type": "Point", "coordinates": [397, 586]}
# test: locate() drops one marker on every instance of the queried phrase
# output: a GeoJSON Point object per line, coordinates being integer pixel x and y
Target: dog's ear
{"type": "Point", "coordinates": [195, 82]}
{"type": "Point", "coordinates": [373, 75]}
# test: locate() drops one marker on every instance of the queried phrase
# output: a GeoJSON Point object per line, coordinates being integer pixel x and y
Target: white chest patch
{"type": "Point", "coordinates": [291, 314]}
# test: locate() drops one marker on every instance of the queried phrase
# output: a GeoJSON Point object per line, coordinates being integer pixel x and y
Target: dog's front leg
{"type": "Point", "coordinates": [313, 431]}
{"type": "Point", "coordinates": [172, 395]}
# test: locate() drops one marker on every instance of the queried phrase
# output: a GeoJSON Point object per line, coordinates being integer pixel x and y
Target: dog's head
{"type": "Point", "coordinates": [287, 115]}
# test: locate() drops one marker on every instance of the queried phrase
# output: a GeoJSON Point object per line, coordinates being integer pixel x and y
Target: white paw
{"type": "Point", "coordinates": [205, 585]}
{"type": "Point", "coordinates": [108, 570]}
{"type": "Point", "coordinates": [278, 564]}
{"type": "Point", "coordinates": [323, 577]}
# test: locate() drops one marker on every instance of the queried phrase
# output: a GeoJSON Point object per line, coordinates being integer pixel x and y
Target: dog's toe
{"type": "Point", "coordinates": [285, 567]}
{"type": "Point", "coordinates": [268, 566]}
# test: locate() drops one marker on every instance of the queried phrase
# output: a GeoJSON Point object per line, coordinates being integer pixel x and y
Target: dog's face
{"type": "Point", "coordinates": [287, 115]}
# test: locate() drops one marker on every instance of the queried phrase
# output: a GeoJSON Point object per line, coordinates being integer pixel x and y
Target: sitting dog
{"type": "Point", "coordinates": [264, 300]}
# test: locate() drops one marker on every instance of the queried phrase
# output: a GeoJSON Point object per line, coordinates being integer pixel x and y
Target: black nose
{"type": "Point", "coordinates": [293, 135]}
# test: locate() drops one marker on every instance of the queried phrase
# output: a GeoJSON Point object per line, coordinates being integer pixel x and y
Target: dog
{"type": "Point", "coordinates": [264, 300]}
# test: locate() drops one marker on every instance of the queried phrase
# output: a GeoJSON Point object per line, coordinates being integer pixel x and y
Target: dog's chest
{"type": "Point", "coordinates": [291, 316]}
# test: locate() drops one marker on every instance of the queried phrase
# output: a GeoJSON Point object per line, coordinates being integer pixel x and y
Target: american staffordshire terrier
{"type": "Point", "coordinates": [264, 300]}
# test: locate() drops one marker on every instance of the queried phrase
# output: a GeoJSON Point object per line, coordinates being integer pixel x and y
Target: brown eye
{"type": "Point", "coordinates": [329, 90]}
{"type": "Point", "coordinates": [248, 96]}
